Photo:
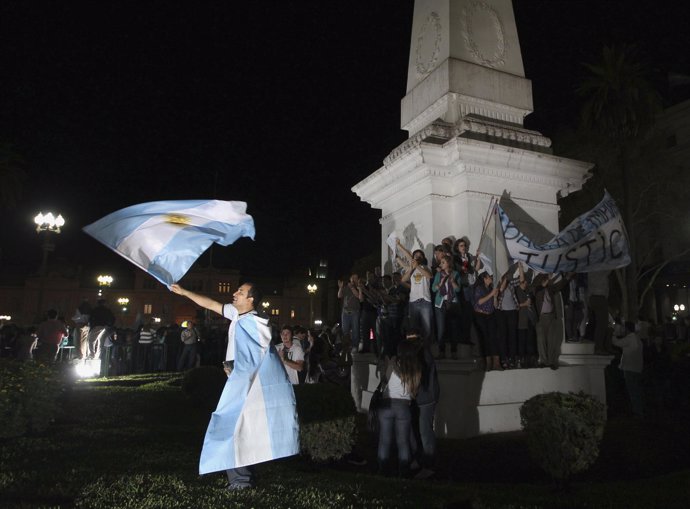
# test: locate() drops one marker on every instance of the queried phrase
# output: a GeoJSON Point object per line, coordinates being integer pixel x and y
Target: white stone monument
{"type": "Point", "coordinates": [467, 97]}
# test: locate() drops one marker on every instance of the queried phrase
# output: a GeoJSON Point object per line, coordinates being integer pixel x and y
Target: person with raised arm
{"type": "Point", "coordinates": [256, 417]}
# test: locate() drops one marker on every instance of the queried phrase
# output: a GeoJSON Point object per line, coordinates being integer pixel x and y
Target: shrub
{"type": "Point", "coordinates": [327, 421]}
{"type": "Point", "coordinates": [204, 385]}
{"type": "Point", "coordinates": [563, 431]}
{"type": "Point", "coordinates": [29, 397]}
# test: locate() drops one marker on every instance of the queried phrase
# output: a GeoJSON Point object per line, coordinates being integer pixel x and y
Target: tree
{"type": "Point", "coordinates": [620, 107]}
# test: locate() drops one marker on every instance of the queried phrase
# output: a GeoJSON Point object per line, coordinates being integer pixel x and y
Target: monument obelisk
{"type": "Point", "coordinates": [467, 97]}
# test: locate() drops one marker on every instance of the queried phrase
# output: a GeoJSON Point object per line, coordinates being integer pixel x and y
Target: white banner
{"type": "Point", "coordinates": [596, 240]}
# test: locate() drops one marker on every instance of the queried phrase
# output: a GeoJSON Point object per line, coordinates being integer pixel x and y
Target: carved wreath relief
{"type": "Point", "coordinates": [490, 57]}
{"type": "Point", "coordinates": [431, 33]}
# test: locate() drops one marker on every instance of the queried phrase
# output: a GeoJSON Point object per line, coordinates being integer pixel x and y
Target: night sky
{"type": "Point", "coordinates": [285, 105]}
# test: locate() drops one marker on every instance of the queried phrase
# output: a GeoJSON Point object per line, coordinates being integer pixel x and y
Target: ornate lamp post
{"type": "Point", "coordinates": [104, 281]}
{"type": "Point", "coordinates": [123, 302]}
{"type": "Point", "coordinates": [311, 288]}
{"type": "Point", "coordinates": [265, 304]}
{"type": "Point", "coordinates": [48, 224]}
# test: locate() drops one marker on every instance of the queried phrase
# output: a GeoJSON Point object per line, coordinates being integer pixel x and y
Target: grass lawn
{"type": "Point", "coordinates": [134, 442]}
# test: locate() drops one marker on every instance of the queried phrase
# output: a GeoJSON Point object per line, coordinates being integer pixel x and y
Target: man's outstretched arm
{"type": "Point", "coordinates": [200, 300]}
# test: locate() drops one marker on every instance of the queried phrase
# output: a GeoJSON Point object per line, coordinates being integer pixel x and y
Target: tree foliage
{"type": "Point", "coordinates": [620, 132]}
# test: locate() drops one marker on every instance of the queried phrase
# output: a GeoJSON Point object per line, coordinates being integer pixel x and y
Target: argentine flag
{"type": "Point", "coordinates": [256, 417]}
{"type": "Point", "coordinates": [166, 237]}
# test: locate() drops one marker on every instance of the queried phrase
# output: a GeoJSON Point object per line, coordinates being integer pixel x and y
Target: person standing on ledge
{"type": "Point", "coordinates": [256, 417]}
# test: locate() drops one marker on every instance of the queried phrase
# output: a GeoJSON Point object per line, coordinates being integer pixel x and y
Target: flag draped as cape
{"type": "Point", "coordinates": [256, 417]}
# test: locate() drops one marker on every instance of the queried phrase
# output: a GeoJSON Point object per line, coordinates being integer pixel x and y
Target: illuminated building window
{"type": "Point", "coordinates": [148, 309]}
{"type": "Point", "coordinates": [224, 287]}
{"type": "Point", "coordinates": [292, 313]}
{"type": "Point", "coordinates": [275, 312]}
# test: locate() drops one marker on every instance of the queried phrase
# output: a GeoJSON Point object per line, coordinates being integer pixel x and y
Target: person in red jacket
{"type": "Point", "coordinates": [50, 334]}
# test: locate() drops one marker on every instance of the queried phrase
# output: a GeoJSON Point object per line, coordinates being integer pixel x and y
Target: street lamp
{"type": "Point", "coordinates": [123, 302]}
{"type": "Point", "coordinates": [311, 288]}
{"type": "Point", "coordinates": [48, 224]}
{"type": "Point", "coordinates": [265, 304]}
{"type": "Point", "coordinates": [104, 281]}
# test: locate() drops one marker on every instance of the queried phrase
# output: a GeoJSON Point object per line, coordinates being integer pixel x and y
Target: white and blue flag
{"type": "Point", "coordinates": [594, 241]}
{"type": "Point", "coordinates": [165, 238]}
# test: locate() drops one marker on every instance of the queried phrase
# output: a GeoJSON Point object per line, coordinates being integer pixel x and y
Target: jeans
{"type": "Point", "coordinates": [486, 327]}
{"type": "Point", "coordinates": [350, 325]}
{"type": "Point", "coordinates": [448, 326]}
{"type": "Point", "coordinates": [421, 314]}
{"type": "Point", "coordinates": [394, 424]}
{"type": "Point", "coordinates": [390, 335]}
{"type": "Point", "coordinates": [633, 384]}
{"type": "Point", "coordinates": [97, 335]}
{"type": "Point", "coordinates": [548, 344]}
{"type": "Point", "coordinates": [241, 476]}
{"type": "Point", "coordinates": [423, 433]}
{"type": "Point", "coordinates": [507, 333]}
{"type": "Point", "coordinates": [600, 310]}
{"type": "Point", "coordinates": [187, 358]}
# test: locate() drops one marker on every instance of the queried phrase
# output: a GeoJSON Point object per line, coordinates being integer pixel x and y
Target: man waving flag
{"type": "Point", "coordinates": [165, 238]}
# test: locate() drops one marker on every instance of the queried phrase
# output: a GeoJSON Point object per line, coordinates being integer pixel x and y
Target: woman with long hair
{"type": "Point", "coordinates": [404, 374]}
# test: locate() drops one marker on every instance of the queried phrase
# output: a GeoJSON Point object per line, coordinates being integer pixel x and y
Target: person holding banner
{"type": "Point", "coordinates": [548, 343]}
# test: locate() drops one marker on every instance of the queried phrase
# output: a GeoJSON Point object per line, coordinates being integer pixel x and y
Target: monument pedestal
{"type": "Point", "coordinates": [474, 402]}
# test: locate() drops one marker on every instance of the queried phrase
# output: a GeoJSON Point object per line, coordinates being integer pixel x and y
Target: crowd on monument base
{"type": "Point", "coordinates": [513, 322]}
{"type": "Point", "coordinates": [506, 320]}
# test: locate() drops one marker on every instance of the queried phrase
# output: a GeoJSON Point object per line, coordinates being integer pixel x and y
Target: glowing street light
{"type": "Point", "coordinates": [123, 302]}
{"type": "Point", "coordinates": [265, 304]}
{"type": "Point", "coordinates": [311, 288]}
{"type": "Point", "coordinates": [48, 222]}
{"type": "Point", "coordinates": [104, 281]}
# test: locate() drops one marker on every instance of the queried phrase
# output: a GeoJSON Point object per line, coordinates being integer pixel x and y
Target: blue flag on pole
{"type": "Point", "coordinates": [165, 238]}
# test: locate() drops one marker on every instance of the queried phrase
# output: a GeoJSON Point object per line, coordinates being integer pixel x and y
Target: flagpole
{"type": "Point", "coordinates": [485, 224]}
